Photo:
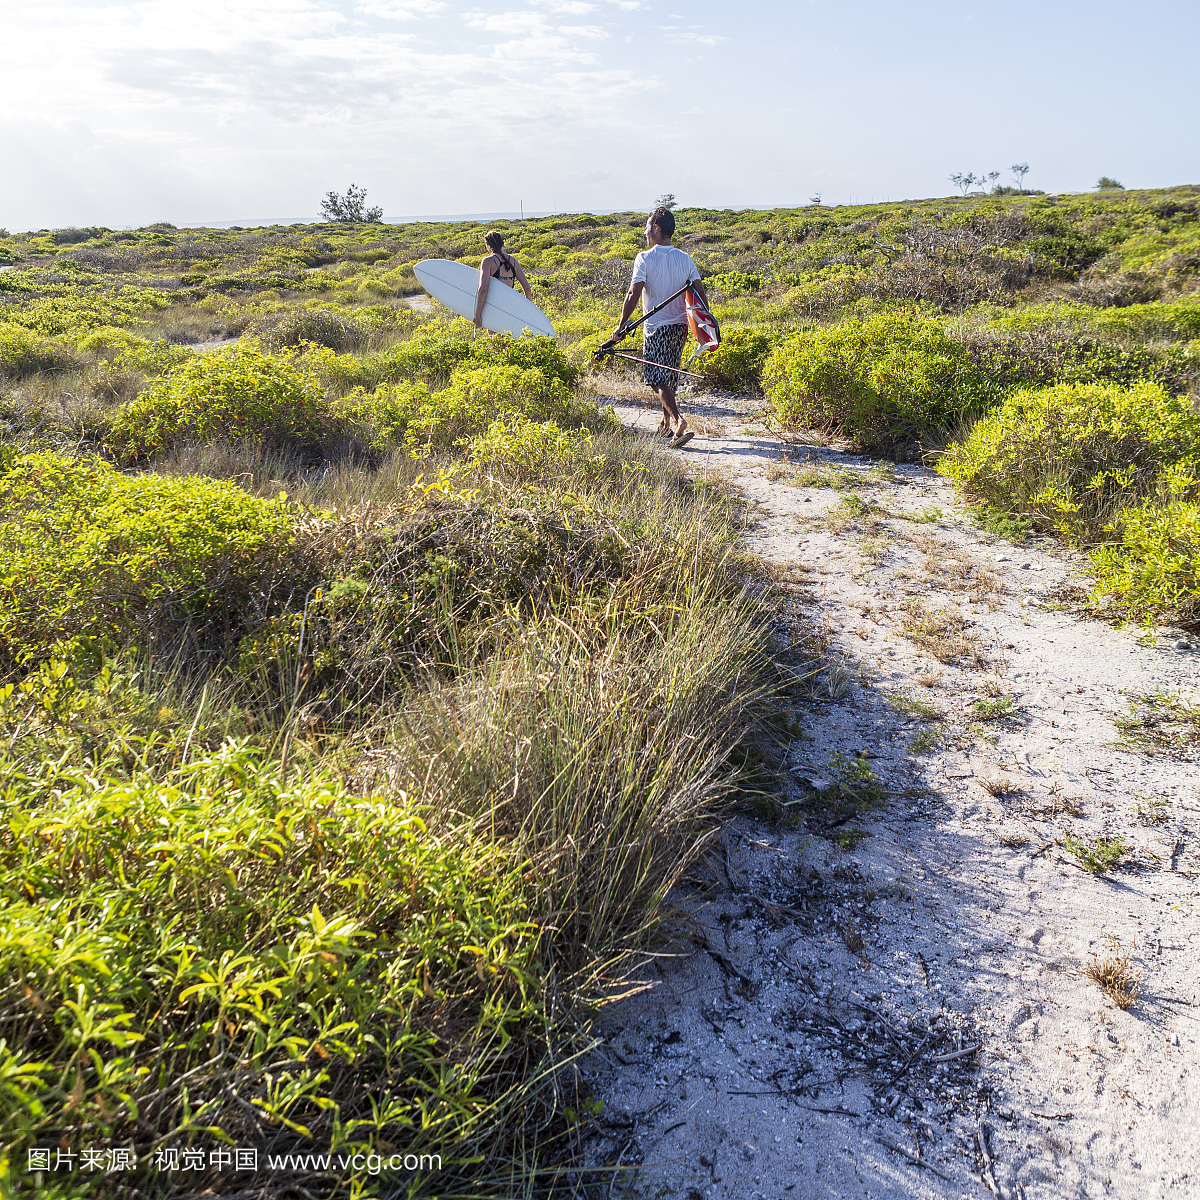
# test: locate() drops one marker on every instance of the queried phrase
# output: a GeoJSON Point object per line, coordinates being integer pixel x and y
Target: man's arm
{"type": "Point", "coordinates": [698, 284]}
{"type": "Point", "coordinates": [632, 297]}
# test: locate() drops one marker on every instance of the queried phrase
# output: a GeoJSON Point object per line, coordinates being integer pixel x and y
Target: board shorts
{"type": "Point", "coordinates": [664, 349]}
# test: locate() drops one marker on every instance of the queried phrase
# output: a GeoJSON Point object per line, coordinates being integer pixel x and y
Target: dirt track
{"type": "Point", "coordinates": [911, 1015]}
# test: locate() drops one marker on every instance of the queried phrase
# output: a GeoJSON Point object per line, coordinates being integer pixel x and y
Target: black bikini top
{"type": "Point", "coordinates": [505, 261]}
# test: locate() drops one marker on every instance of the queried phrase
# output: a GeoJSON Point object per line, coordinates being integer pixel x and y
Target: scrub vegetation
{"type": "Point", "coordinates": [364, 689]}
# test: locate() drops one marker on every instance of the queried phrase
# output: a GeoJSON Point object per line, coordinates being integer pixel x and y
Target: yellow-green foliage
{"type": "Point", "coordinates": [542, 353]}
{"type": "Point", "coordinates": [326, 949]}
{"type": "Point", "coordinates": [240, 393]}
{"type": "Point", "coordinates": [737, 363]}
{"type": "Point", "coordinates": [121, 348]}
{"type": "Point", "coordinates": [479, 394]}
{"type": "Point", "coordinates": [1155, 570]}
{"type": "Point", "coordinates": [383, 417]}
{"type": "Point", "coordinates": [734, 283]}
{"type": "Point", "coordinates": [1096, 460]}
{"type": "Point", "coordinates": [24, 353]}
{"type": "Point", "coordinates": [887, 379]}
{"type": "Point", "coordinates": [1070, 456]}
{"type": "Point", "coordinates": [87, 550]}
{"type": "Point", "coordinates": [532, 447]}
{"type": "Point", "coordinates": [72, 313]}
{"type": "Point", "coordinates": [430, 356]}
{"type": "Point", "coordinates": [1179, 320]}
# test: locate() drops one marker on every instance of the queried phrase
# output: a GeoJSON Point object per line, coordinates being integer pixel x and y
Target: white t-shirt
{"type": "Point", "coordinates": [664, 270]}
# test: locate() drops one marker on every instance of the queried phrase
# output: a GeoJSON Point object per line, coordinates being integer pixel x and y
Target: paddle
{"type": "Point", "coordinates": [609, 347]}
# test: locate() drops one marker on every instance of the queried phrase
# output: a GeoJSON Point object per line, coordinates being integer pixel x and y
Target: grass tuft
{"type": "Point", "coordinates": [1117, 976]}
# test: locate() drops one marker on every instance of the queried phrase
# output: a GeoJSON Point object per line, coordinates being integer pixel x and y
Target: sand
{"type": "Point", "coordinates": [911, 1015]}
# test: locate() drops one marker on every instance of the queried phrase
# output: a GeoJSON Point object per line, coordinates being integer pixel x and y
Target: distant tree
{"type": "Point", "coordinates": [666, 200]}
{"type": "Point", "coordinates": [1104, 184]}
{"type": "Point", "coordinates": [815, 198]}
{"type": "Point", "coordinates": [966, 182]}
{"type": "Point", "coordinates": [1020, 170]}
{"type": "Point", "coordinates": [350, 207]}
{"type": "Point", "coordinates": [989, 178]}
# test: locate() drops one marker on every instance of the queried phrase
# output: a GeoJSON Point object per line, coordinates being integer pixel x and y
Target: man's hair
{"type": "Point", "coordinates": [664, 218]}
{"type": "Point", "coordinates": [494, 240]}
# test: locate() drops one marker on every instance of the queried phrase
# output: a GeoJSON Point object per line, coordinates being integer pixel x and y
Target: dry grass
{"type": "Point", "coordinates": [1117, 976]}
{"type": "Point", "coordinates": [930, 679]}
{"type": "Point", "coordinates": [944, 634]}
{"type": "Point", "coordinates": [1014, 840]}
{"type": "Point", "coordinates": [1002, 786]}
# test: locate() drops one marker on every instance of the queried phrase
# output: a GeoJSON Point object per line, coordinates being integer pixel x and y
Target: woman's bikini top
{"type": "Point", "coordinates": [505, 262]}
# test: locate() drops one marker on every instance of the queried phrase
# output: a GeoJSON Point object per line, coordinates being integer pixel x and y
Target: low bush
{"type": "Point", "coordinates": [381, 419]}
{"type": "Point", "coordinates": [235, 394]}
{"type": "Point", "coordinates": [541, 353]}
{"type": "Point", "coordinates": [303, 956]}
{"type": "Point", "coordinates": [321, 326]}
{"type": "Point", "coordinates": [1154, 571]}
{"type": "Point", "coordinates": [734, 283]}
{"type": "Point", "coordinates": [23, 353]}
{"type": "Point", "coordinates": [479, 394]}
{"type": "Point", "coordinates": [430, 356]}
{"type": "Point", "coordinates": [736, 364]}
{"type": "Point", "coordinates": [515, 444]}
{"type": "Point", "coordinates": [1070, 457]}
{"type": "Point", "coordinates": [90, 551]}
{"type": "Point", "coordinates": [887, 380]}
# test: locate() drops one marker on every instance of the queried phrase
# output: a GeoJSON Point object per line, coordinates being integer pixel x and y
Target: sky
{"type": "Point", "coordinates": [122, 114]}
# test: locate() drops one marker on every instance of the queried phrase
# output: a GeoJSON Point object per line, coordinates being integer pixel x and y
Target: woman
{"type": "Point", "coordinates": [498, 265]}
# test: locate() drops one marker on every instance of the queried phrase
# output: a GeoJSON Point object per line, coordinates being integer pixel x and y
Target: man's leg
{"type": "Point", "coordinates": [674, 418]}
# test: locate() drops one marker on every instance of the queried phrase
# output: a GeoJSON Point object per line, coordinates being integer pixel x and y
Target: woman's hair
{"type": "Point", "coordinates": [494, 240]}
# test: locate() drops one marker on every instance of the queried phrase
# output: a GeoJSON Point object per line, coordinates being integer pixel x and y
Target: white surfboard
{"type": "Point", "coordinates": [505, 311]}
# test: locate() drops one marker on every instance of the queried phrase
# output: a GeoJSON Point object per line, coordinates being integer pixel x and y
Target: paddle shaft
{"type": "Point", "coordinates": [631, 358]}
{"type": "Point", "coordinates": [630, 326]}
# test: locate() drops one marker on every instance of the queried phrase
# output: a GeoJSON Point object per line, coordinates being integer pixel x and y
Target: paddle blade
{"type": "Point", "coordinates": [702, 323]}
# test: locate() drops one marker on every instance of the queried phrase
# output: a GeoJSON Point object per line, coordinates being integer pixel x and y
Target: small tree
{"type": "Point", "coordinates": [966, 182]}
{"type": "Point", "coordinates": [666, 200]}
{"type": "Point", "coordinates": [350, 207]}
{"type": "Point", "coordinates": [1020, 170]}
{"type": "Point", "coordinates": [815, 198]}
{"type": "Point", "coordinates": [1104, 184]}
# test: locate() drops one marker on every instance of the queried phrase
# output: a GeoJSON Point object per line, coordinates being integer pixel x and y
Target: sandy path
{"type": "Point", "coordinates": [813, 1034]}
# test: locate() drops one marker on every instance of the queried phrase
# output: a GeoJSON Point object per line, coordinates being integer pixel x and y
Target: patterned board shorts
{"type": "Point", "coordinates": [664, 348]}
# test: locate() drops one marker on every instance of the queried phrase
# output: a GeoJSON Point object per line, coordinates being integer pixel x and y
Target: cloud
{"type": "Point", "coordinates": [694, 36]}
{"type": "Point", "coordinates": [402, 10]}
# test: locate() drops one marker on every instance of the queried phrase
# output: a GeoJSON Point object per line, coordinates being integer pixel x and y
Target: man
{"type": "Point", "coordinates": [658, 272]}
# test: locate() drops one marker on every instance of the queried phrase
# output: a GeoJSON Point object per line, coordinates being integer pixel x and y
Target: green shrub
{"type": "Point", "coordinates": [124, 349]}
{"type": "Point", "coordinates": [240, 393]}
{"type": "Point", "coordinates": [87, 550]}
{"type": "Point", "coordinates": [1071, 456]}
{"type": "Point", "coordinates": [530, 447]}
{"type": "Point", "coordinates": [542, 353]}
{"type": "Point", "coordinates": [478, 395]}
{"type": "Point", "coordinates": [736, 364]}
{"type": "Point", "coordinates": [428, 356]}
{"type": "Point", "coordinates": [73, 314]}
{"type": "Point", "coordinates": [888, 380]}
{"type": "Point", "coordinates": [1179, 320]}
{"type": "Point", "coordinates": [734, 283]}
{"type": "Point", "coordinates": [382, 418]}
{"type": "Point", "coordinates": [24, 353]}
{"type": "Point", "coordinates": [323, 950]}
{"type": "Point", "coordinates": [320, 326]}
{"type": "Point", "coordinates": [1154, 571]}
